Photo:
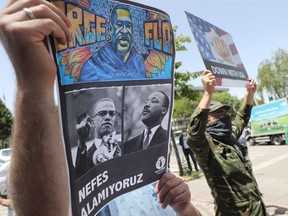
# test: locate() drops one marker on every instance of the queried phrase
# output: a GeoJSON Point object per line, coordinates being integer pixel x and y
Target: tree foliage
{"type": "Point", "coordinates": [180, 40]}
{"type": "Point", "coordinates": [5, 122]}
{"type": "Point", "coordinates": [273, 76]}
{"type": "Point", "coordinates": [183, 90]}
{"type": "Point", "coordinates": [182, 86]}
{"type": "Point", "coordinates": [184, 107]}
{"type": "Point", "coordinates": [226, 98]}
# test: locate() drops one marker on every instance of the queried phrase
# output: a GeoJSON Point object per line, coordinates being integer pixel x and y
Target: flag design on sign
{"type": "Point", "coordinates": [214, 43]}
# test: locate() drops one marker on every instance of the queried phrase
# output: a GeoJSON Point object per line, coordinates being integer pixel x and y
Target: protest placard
{"type": "Point", "coordinates": [115, 81]}
{"type": "Point", "coordinates": [218, 52]}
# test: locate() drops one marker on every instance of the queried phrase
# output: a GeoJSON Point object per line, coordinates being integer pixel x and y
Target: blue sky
{"type": "Point", "coordinates": [258, 28]}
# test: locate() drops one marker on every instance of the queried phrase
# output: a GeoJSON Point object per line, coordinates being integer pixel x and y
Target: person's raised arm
{"type": "Point", "coordinates": [38, 175]}
{"type": "Point", "coordinates": [251, 89]}
{"type": "Point", "coordinates": [173, 191]}
{"type": "Point", "coordinates": [208, 81]}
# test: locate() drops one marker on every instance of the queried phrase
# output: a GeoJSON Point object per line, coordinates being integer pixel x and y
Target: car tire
{"type": "Point", "coordinates": [276, 140]}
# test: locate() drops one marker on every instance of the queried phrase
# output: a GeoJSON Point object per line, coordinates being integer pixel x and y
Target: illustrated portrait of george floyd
{"type": "Point", "coordinates": [118, 59]}
{"type": "Point", "coordinates": [94, 121]}
{"type": "Point", "coordinates": [146, 119]}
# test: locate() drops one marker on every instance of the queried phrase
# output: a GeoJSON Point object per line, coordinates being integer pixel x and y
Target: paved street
{"type": "Point", "coordinates": [270, 168]}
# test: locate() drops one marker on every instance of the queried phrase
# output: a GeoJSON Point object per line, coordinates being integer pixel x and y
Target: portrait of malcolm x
{"type": "Point", "coordinates": [96, 131]}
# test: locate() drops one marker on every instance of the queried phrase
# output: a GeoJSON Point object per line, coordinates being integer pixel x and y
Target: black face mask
{"type": "Point", "coordinates": [220, 129]}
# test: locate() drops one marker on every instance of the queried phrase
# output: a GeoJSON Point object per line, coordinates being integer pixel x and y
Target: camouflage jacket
{"type": "Point", "coordinates": [228, 171]}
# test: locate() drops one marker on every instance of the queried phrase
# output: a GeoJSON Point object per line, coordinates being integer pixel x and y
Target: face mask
{"type": "Point", "coordinates": [220, 128]}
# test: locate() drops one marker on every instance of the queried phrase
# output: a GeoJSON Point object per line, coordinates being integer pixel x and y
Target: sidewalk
{"type": "Point", "coordinates": [273, 184]}
{"type": "Point", "coordinates": [201, 196]}
{"type": "Point", "coordinates": [203, 201]}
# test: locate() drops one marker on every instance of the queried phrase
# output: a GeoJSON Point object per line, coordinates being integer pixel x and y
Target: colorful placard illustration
{"type": "Point", "coordinates": [218, 52]}
{"type": "Point", "coordinates": [115, 82]}
{"type": "Point", "coordinates": [100, 50]}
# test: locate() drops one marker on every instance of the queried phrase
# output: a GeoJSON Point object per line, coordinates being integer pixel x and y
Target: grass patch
{"type": "Point", "coordinates": [191, 176]}
{"type": "Point", "coordinates": [188, 176]}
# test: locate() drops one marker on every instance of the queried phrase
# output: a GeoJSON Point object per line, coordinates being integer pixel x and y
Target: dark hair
{"type": "Point", "coordinates": [101, 101]}
{"type": "Point", "coordinates": [166, 100]}
{"type": "Point", "coordinates": [117, 7]}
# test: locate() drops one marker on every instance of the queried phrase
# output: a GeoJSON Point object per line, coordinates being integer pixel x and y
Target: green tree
{"type": "Point", "coordinates": [183, 90]}
{"type": "Point", "coordinates": [5, 122]}
{"type": "Point", "coordinates": [182, 86]}
{"type": "Point", "coordinates": [184, 93]}
{"type": "Point", "coordinates": [273, 76]}
{"type": "Point", "coordinates": [183, 108]}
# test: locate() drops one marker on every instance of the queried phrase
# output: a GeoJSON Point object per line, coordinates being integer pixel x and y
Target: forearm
{"type": "Point", "coordinates": [249, 98]}
{"type": "Point", "coordinates": [190, 210]}
{"type": "Point", "coordinates": [244, 113]}
{"type": "Point", "coordinates": [38, 175]}
{"type": "Point", "coordinates": [205, 100]}
{"type": "Point", "coordinates": [251, 90]}
{"type": "Point", "coordinates": [241, 120]}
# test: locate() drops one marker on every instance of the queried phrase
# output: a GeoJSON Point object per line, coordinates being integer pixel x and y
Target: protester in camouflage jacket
{"type": "Point", "coordinates": [223, 160]}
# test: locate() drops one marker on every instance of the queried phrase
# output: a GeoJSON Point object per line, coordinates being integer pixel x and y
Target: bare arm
{"type": "Point", "coordinates": [208, 81]}
{"type": "Point", "coordinates": [251, 89]}
{"type": "Point", "coordinates": [38, 174]}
